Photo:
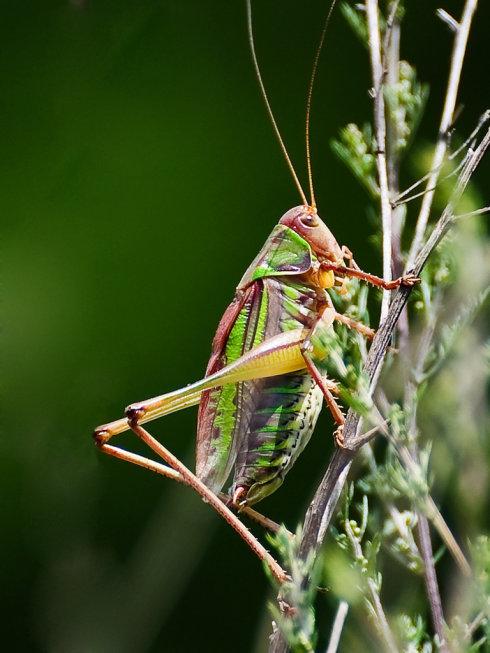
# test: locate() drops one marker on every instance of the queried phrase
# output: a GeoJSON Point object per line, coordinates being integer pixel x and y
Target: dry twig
{"type": "Point", "coordinates": [380, 131]}
{"type": "Point", "coordinates": [337, 627]}
{"type": "Point", "coordinates": [457, 58]}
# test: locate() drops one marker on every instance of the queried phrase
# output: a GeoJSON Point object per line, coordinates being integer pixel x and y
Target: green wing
{"type": "Point", "coordinates": [284, 253]}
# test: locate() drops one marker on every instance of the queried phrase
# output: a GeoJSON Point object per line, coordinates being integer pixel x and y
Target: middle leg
{"type": "Point", "coordinates": [361, 328]}
{"type": "Point", "coordinates": [325, 322]}
{"type": "Point", "coordinates": [330, 400]}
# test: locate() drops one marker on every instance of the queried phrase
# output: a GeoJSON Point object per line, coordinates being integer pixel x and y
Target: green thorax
{"type": "Point", "coordinates": [284, 253]}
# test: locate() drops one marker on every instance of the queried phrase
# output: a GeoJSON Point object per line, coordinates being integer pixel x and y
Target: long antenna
{"type": "Point", "coordinates": [308, 102]}
{"type": "Point", "coordinates": [267, 104]}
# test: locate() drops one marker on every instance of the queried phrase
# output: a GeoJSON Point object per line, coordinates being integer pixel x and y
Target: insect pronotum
{"type": "Point", "coordinates": [265, 382]}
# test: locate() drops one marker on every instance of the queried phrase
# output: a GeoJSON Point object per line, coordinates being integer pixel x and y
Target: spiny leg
{"type": "Point", "coordinates": [407, 280]}
{"type": "Point", "coordinates": [330, 400]}
{"type": "Point", "coordinates": [209, 497]}
{"type": "Point", "coordinates": [325, 321]}
{"type": "Point", "coordinates": [361, 328]}
{"type": "Point", "coordinates": [329, 314]}
{"type": "Point", "coordinates": [141, 461]}
{"type": "Point", "coordinates": [168, 472]}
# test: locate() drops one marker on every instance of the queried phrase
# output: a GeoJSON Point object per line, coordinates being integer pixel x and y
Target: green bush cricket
{"type": "Point", "coordinates": [266, 379]}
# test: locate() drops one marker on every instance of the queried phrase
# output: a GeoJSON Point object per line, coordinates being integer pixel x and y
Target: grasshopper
{"type": "Point", "coordinates": [265, 382]}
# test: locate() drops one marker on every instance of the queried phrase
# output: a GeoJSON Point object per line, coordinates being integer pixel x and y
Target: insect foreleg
{"type": "Point", "coordinates": [407, 280]}
{"type": "Point", "coordinates": [349, 257]}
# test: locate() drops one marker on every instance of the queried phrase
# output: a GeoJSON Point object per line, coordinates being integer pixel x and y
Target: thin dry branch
{"type": "Point", "coordinates": [457, 58]}
{"type": "Point", "coordinates": [431, 583]}
{"type": "Point", "coordinates": [337, 627]}
{"type": "Point", "coordinates": [380, 132]}
{"type": "Point", "coordinates": [423, 528]}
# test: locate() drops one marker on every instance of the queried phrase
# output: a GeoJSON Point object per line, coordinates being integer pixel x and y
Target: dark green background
{"type": "Point", "coordinates": [139, 176]}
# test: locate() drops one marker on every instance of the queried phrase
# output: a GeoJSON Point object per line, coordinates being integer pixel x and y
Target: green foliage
{"type": "Point", "coordinates": [412, 632]}
{"type": "Point", "coordinates": [481, 558]}
{"type": "Point", "coordinates": [351, 539]}
{"type": "Point", "coordinates": [355, 148]}
{"type": "Point", "coordinates": [397, 480]}
{"type": "Point", "coordinates": [400, 539]}
{"type": "Point", "coordinates": [451, 333]}
{"type": "Point", "coordinates": [294, 613]}
{"type": "Point", "coordinates": [459, 636]}
{"type": "Point", "coordinates": [363, 554]}
{"type": "Point", "coordinates": [357, 22]}
{"type": "Point", "coordinates": [405, 102]}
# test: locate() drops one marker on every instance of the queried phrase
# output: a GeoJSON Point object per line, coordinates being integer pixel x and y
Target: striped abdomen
{"type": "Point", "coordinates": [280, 426]}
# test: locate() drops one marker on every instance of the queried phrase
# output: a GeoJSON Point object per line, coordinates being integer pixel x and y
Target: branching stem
{"type": "Point", "coordinates": [377, 73]}
{"type": "Point", "coordinates": [423, 529]}
{"type": "Point", "coordinates": [457, 58]}
{"type": "Point", "coordinates": [382, 625]}
{"type": "Point", "coordinates": [322, 507]}
{"type": "Point", "coordinates": [430, 577]}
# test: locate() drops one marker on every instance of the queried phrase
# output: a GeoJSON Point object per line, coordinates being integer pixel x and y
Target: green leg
{"type": "Point", "coordinates": [278, 355]}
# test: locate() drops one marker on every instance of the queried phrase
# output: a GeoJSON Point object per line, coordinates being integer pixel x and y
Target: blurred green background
{"type": "Point", "coordinates": [139, 176]}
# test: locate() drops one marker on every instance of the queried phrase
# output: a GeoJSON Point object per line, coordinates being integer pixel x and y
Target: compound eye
{"type": "Point", "coordinates": [309, 220]}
